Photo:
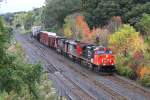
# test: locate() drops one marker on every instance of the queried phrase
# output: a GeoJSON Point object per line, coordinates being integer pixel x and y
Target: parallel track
{"type": "Point", "coordinates": [77, 91]}
{"type": "Point", "coordinates": [114, 95]}
{"type": "Point", "coordinates": [80, 92]}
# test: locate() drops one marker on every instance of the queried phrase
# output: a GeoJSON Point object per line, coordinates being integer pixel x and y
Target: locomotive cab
{"type": "Point", "coordinates": [88, 52]}
{"type": "Point", "coordinates": [72, 49]}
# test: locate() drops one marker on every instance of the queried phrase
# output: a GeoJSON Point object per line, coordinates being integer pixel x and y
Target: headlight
{"type": "Point", "coordinates": [104, 64]}
{"type": "Point", "coordinates": [106, 56]}
{"type": "Point", "coordinates": [102, 60]}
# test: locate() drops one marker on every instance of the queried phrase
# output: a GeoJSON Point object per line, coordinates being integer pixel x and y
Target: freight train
{"type": "Point", "coordinates": [94, 57]}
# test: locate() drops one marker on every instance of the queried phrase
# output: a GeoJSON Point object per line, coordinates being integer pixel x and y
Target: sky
{"type": "Point", "coordinates": [19, 5]}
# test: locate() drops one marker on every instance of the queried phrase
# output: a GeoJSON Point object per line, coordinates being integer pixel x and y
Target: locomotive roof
{"type": "Point", "coordinates": [101, 47]}
{"type": "Point", "coordinates": [83, 44]}
{"type": "Point", "coordinates": [49, 33]}
{"type": "Point", "coordinates": [72, 42]}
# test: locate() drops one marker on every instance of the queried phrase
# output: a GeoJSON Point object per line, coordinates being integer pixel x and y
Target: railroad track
{"type": "Point", "coordinates": [114, 94]}
{"type": "Point", "coordinates": [130, 84]}
{"type": "Point", "coordinates": [75, 91]}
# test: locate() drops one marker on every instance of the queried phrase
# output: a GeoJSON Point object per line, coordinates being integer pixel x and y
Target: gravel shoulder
{"type": "Point", "coordinates": [76, 82]}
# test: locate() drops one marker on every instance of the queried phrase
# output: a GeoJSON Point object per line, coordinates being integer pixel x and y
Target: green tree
{"type": "Point", "coordinates": [28, 20]}
{"type": "Point", "coordinates": [24, 19]}
{"type": "Point", "coordinates": [55, 11]}
{"type": "Point", "coordinates": [99, 12]}
{"type": "Point", "coordinates": [37, 15]}
{"type": "Point", "coordinates": [134, 16]}
{"type": "Point", "coordinates": [144, 24]}
{"type": "Point", "coordinates": [126, 38]}
{"type": "Point", "coordinates": [15, 74]}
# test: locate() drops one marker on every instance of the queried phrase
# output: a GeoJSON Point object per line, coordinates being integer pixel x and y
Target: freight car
{"type": "Point", "coordinates": [46, 38]}
{"type": "Point", "coordinates": [35, 30]}
{"type": "Point", "coordinates": [94, 57]}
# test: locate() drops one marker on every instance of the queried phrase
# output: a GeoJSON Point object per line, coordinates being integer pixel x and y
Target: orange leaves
{"type": "Point", "coordinates": [81, 24]}
{"type": "Point", "coordinates": [91, 35]}
{"type": "Point", "coordinates": [76, 27]}
{"type": "Point", "coordinates": [143, 71]}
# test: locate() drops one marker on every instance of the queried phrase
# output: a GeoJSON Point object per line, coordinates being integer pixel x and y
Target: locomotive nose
{"type": "Point", "coordinates": [108, 60]}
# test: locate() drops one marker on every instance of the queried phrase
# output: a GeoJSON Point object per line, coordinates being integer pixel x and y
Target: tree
{"type": "Point", "coordinates": [37, 16]}
{"type": "Point", "coordinates": [25, 20]}
{"type": "Point", "coordinates": [68, 26]}
{"type": "Point", "coordinates": [99, 12]}
{"type": "Point", "coordinates": [126, 38]}
{"type": "Point", "coordinates": [144, 24]}
{"type": "Point", "coordinates": [28, 20]}
{"type": "Point", "coordinates": [8, 18]}
{"type": "Point", "coordinates": [134, 16]}
{"type": "Point", "coordinates": [55, 11]}
{"type": "Point", "coordinates": [129, 49]}
{"type": "Point", "coordinates": [15, 74]}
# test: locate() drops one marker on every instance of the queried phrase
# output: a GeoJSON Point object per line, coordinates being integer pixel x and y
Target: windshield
{"type": "Point", "coordinates": [108, 52]}
{"type": "Point", "coordinates": [103, 52]}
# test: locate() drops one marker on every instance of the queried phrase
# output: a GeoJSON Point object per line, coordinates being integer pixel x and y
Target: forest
{"type": "Point", "coordinates": [122, 25]}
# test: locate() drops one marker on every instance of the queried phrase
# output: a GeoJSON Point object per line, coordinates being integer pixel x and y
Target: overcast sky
{"type": "Point", "coordinates": [19, 5]}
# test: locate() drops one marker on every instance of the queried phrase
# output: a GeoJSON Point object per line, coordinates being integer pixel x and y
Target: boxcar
{"type": "Point", "coordinates": [44, 37]}
{"type": "Point", "coordinates": [35, 30]}
{"type": "Point", "coordinates": [52, 41]}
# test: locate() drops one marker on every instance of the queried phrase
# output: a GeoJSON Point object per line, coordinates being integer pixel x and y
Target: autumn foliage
{"type": "Point", "coordinates": [126, 43]}
{"type": "Point", "coordinates": [83, 26]}
{"type": "Point", "coordinates": [130, 49]}
{"type": "Point", "coordinates": [76, 27]}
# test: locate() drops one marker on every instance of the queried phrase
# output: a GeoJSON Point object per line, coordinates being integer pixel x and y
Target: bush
{"type": "Point", "coordinates": [122, 68]}
{"type": "Point", "coordinates": [145, 81]}
{"type": "Point", "coordinates": [53, 29]}
{"type": "Point", "coordinates": [125, 71]}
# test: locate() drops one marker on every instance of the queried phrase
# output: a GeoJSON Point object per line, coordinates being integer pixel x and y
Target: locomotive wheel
{"type": "Point", "coordinates": [90, 66]}
{"type": "Point", "coordinates": [78, 61]}
{"type": "Point", "coordinates": [94, 68]}
{"type": "Point", "coordinates": [97, 68]}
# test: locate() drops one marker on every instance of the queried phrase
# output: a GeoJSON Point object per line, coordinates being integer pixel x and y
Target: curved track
{"type": "Point", "coordinates": [78, 83]}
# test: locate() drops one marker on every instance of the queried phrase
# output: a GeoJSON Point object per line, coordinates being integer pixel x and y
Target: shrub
{"type": "Point", "coordinates": [145, 81]}
{"type": "Point", "coordinates": [122, 68]}
{"type": "Point", "coordinates": [125, 71]}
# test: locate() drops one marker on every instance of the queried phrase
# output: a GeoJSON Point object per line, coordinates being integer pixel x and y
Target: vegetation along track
{"type": "Point", "coordinates": [120, 81]}
{"type": "Point", "coordinates": [112, 91]}
{"type": "Point", "coordinates": [75, 91]}
{"type": "Point", "coordinates": [88, 76]}
{"type": "Point", "coordinates": [113, 94]}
